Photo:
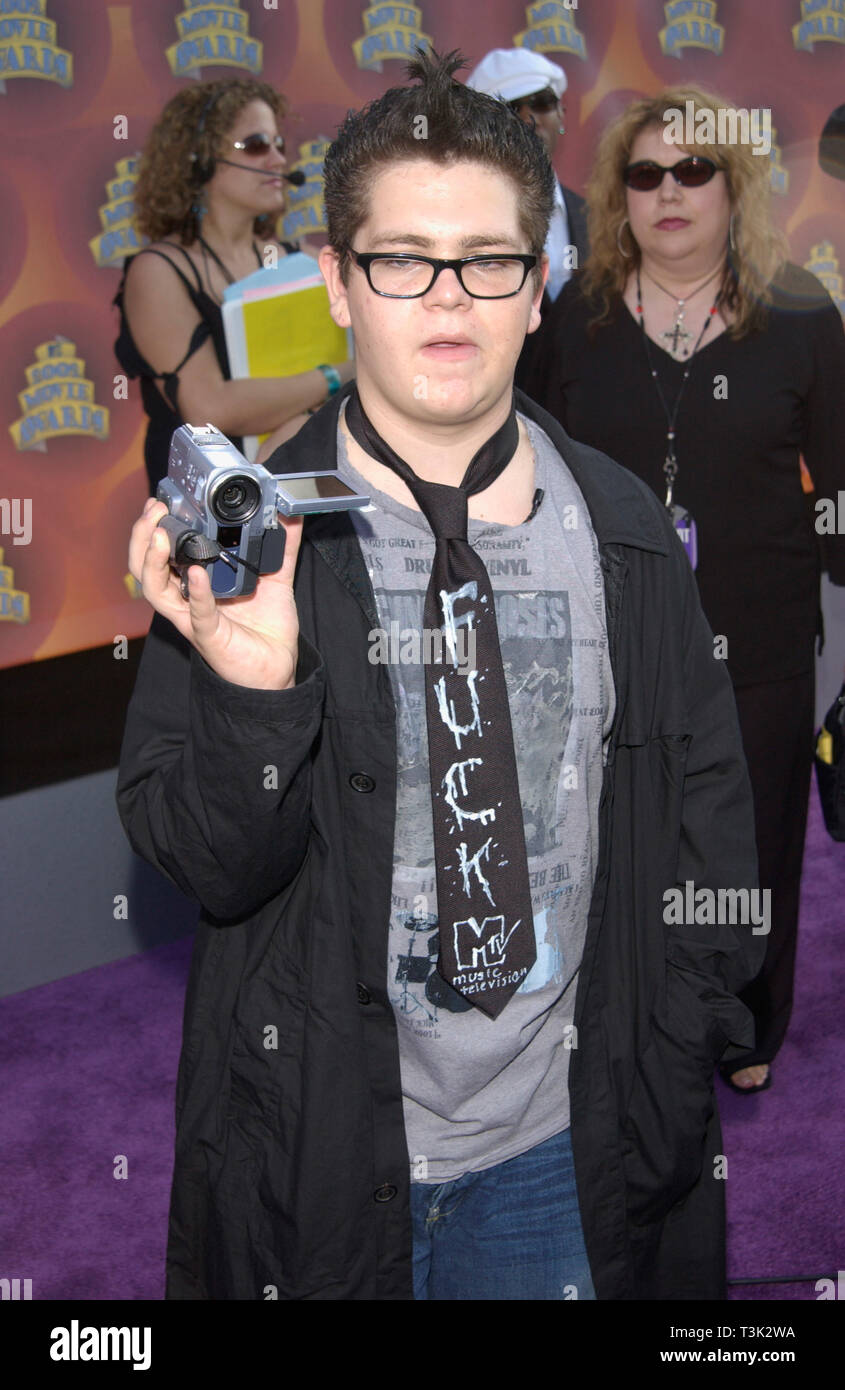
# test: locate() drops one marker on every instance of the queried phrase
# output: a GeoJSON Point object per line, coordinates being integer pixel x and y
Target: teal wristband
{"type": "Point", "coordinates": [332, 378]}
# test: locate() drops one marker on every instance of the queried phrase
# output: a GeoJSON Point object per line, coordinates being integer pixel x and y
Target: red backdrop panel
{"type": "Point", "coordinates": [69, 72]}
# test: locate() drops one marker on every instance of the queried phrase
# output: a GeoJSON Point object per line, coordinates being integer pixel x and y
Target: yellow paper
{"type": "Point", "coordinates": [292, 333]}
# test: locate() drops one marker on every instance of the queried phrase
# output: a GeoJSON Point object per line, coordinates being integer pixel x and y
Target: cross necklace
{"type": "Point", "coordinates": [670, 466]}
{"type": "Point", "coordinates": [677, 333]}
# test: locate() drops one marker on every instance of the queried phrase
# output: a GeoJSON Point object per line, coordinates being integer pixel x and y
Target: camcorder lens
{"type": "Point", "coordinates": [235, 498]}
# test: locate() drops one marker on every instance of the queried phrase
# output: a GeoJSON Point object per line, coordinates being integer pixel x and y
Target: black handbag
{"type": "Point", "coordinates": [830, 767]}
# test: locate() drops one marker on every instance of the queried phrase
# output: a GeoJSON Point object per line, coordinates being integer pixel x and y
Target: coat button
{"type": "Point", "coordinates": [386, 1192]}
{"type": "Point", "coordinates": [361, 782]}
{"type": "Point", "coordinates": [363, 994]}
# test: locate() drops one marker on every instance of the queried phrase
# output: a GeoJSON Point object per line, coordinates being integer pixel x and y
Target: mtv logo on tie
{"type": "Point", "coordinates": [479, 947]}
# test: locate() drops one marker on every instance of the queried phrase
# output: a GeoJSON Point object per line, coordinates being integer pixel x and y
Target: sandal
{"type": "Point", "coordinates": [727, 1077]}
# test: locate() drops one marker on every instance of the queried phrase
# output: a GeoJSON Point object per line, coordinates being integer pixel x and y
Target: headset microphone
{"type": "Point", "coordinates": [204, 169]}
{"type": "Point", "coordinates": [249, 168]}
{"type": "Point", "coordinates": [297, 178]}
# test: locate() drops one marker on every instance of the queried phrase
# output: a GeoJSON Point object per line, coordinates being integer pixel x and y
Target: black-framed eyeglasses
{"type": "Point", "coordinates": [258, 144]}
{"type": "Point", "coordinates": [401, 276]}
{"type": "Point", "coordinates": [692, 172]}
{"type": "Point", "coordinates": [546, 100]}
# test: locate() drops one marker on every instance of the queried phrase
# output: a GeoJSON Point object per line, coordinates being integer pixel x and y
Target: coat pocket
{"type": "Point", "coordinates": [671, 1103]}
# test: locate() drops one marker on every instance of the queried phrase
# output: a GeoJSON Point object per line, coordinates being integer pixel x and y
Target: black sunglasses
{"type": "Point", "coordinates": [258, 144]}
{"type": "Point", "coordinates": [692, 172]}
{"type": "Point", "coordinates": [541, 101]}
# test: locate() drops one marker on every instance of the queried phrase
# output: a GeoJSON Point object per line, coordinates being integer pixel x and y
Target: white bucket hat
{"type": "Point", "coordinates": [511, 73]}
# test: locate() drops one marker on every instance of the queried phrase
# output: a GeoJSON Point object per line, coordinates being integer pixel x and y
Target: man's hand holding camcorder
{"type": "Point", "coordinates": [249, 641]}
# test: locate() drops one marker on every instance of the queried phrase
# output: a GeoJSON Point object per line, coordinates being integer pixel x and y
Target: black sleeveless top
{"type": "Point", "coordinates": [164, 415]}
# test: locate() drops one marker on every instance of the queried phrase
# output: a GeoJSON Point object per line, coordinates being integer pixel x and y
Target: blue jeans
{"type": "Point", "coordinates": [510, 1232]}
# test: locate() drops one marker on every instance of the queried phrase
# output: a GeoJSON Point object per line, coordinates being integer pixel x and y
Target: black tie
{"type": "Point", "coordinates": [486, 923]}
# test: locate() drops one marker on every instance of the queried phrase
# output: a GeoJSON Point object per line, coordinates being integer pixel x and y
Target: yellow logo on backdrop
{"type": "Point", "coordinates": [119, 236]}
{"type": "Point", "coordinates": [390, 31]}
{"type": "Point", "coordinates": [59, 399]}
{"type": "Point", "coordinates": [549, 29]}
{"type": "Point", "coordinates": [779, 176]}
{"type": "Point", "coordinates": [821, 21]}
{"type": "Point", "coordinates": [213, 35]}
{"type": "Point", "coordinates": [14, 603]}
{"type": "Point", "coordinates": [823, 263]}
{"type": "Point", "coordinates": [691, 24]}
{"type": "Point", "coordinates": [306, 210]}
{"type": "Point", "coordinates": [28, 44]}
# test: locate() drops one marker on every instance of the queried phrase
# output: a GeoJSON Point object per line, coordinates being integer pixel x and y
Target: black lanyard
{"type": "Point", "coordinates": [230, 279]}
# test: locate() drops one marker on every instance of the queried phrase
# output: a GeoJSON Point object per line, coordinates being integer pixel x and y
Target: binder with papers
{"type": "Point", "coordinates": [277, 323]}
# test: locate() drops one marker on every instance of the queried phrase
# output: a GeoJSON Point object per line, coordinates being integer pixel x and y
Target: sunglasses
{"type": "Point", "coordinates": [692, 172]}
{"type": "Point", "coordinates": [256, 145]}
{"type": "Point", "coordinates": [541, 101]}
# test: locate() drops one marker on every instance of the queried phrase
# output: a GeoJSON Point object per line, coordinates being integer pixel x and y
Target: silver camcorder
{"type": "Point", "coordinates": [223, 511]}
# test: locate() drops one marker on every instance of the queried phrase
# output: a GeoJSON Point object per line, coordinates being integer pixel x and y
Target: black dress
{"type": "Point", "coordinates": [164, 415]}
{"type": "Point", "coordinates": [751, 406]}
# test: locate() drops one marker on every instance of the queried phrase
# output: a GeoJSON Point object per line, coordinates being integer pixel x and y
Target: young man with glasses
{"type": "Point", "coordinates": [433, 961]}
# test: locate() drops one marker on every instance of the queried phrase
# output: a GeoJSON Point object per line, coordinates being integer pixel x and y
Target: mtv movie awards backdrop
{"type": "Point", "coordinates": [80, 88]}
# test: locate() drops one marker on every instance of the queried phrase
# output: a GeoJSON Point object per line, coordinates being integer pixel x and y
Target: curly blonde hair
{"type": "Point", "coordinates": [759, 251]}
{"type": "Point", "coordinates": [168, 184]}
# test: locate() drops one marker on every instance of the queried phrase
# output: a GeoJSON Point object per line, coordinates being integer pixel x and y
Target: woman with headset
{"type": "Point", "coordinates": [210, 190]}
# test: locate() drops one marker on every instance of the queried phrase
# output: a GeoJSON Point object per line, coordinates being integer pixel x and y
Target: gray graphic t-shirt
{"type": "Point", "coordinates": [477, 1091]}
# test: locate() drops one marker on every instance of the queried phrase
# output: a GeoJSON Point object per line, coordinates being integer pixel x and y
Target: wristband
{"type": "Point", "coordinates": [332, 379]}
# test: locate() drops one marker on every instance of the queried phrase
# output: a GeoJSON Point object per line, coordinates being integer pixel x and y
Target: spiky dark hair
{"type": "Point", "coordinates": [459, 124]}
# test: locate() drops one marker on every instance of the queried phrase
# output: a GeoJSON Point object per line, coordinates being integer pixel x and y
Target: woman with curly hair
{"type": "Point", "coordinates": [209, 192]}
{"type": "Point", "coordinates": [691, 351]}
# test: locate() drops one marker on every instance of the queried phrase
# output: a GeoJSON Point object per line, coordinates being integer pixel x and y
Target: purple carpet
{"type": "Point", "coordinates": [89, 1067]}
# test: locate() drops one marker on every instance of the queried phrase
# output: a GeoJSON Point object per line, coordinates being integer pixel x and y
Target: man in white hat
{"type": "Point", "coordinates": [534, 87]}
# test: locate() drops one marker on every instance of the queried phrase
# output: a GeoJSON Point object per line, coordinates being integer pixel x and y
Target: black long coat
{"type": "Point", "coordinates": [276, 811]}
{"type": "Point", "coordinates": [529, 360]}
